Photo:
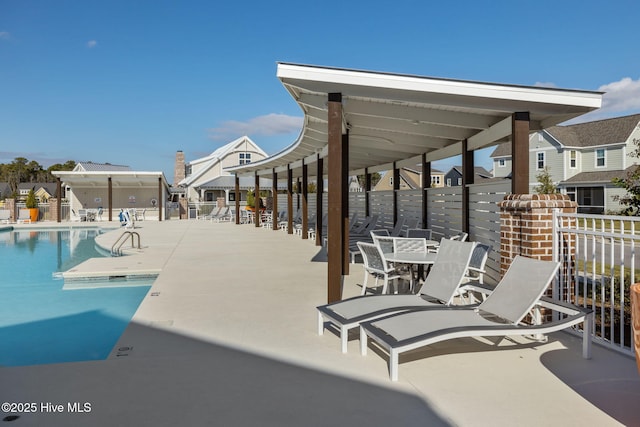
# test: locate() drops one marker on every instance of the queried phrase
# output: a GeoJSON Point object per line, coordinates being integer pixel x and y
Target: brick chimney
{"type": "Point", "coordinates": [178, 171]}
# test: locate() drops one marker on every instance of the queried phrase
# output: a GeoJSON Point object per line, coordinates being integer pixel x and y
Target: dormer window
{"type": "Point", "coordinates": [245, 158]}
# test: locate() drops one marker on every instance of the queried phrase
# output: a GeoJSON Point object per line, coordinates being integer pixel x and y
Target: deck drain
{"type": "Point", "coordinates": [124, 351]}
{"type": "Point", "coordinates": [155, 294]}
{"type": "Point", "coordinates": [11, 418]}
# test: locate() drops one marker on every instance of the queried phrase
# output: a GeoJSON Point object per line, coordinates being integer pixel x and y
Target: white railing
{"type": "Point", "coordinates": [600, 257]}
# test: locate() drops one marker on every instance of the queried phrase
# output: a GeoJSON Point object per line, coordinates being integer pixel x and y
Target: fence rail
{"type": "Point", "coordinates": [600, 261]}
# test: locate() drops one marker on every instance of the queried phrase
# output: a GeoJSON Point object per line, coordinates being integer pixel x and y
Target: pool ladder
{"type": "Point", "coordinates": [116, 249]}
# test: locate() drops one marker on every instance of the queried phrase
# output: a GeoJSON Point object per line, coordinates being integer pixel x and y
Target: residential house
{"type": "Point", "coordinates": [200, 182]}
{"type": "Point", "coordinates": [409, 179]}
{"type": "Point", "coordinates": [453, 178]}
{"type": "Point", "coordinates": [5, 190]}
{"type": "Point", "coordinates": [582, 160]}
{"type": "Point", "coordinates": [44, 191]}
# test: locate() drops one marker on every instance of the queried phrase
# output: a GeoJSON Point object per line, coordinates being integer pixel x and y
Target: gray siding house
{"type": "Point", "coordinates": [582, 159]}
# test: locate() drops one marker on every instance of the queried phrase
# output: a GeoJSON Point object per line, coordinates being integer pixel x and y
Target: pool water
{"type": "Point", "coordinates": [40, 322]}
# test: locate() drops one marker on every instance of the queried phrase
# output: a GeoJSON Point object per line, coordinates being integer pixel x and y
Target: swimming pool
{"type": "Point", "coordinates": [40, 321]}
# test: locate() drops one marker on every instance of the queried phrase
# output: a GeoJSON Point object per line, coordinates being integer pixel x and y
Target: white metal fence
{"type": "Point", "coordinates": [600, 260]}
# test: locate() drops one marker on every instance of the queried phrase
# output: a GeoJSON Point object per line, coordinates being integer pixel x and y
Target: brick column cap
{"type": "Point", "coordinates": [527, 202]}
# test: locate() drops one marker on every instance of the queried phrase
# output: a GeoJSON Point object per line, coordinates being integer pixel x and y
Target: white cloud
{"type": "Point", "coordinates": [620, 98]}
{"type": "Point", "coordinates": [91, 44]}
{"type": "Point", "coordinates": [4, 35]}
{"type": "Point", "coordinates": [267, 125]}
{"type": "Point", "coordinates": [623, 95]}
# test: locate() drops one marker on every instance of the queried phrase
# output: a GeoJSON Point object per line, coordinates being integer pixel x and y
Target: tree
{"type": "Point", "coordinates": [546, 183]}
{"type": "Point", "coordinates": [375, 178]}
{"type": "Point", "coordinates": [31, 201]}
{"type": "Point", "coordinates": [631, 183]}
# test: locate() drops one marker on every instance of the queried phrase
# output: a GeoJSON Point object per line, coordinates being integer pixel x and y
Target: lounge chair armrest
{"type": "Point", "coordinates": [563, 307]}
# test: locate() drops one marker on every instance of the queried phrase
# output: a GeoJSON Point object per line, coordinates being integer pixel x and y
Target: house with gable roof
{"type": "Point", "coordinates": [409, 179]}
{"type": "Point", "coordinates": [206, 179]}
{"type": "Point", "coordinates": [582, 159]}
{"type": "Point", "coordinates": [453, 178]}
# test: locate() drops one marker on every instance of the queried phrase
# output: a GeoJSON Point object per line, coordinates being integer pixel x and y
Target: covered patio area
{"type": "Point", "coordinates": [360, 122]}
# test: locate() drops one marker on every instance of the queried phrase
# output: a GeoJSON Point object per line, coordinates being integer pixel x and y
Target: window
{"type": "Point", "coordinates": [600, 158]}
{"type": "Point", "coordinates": [245, 158]}
{"type": "Point", "coordinates": [573, 159]}
{"type": "Point", "coordinates": [448, 182]}
{"type": "Point", "coordinates": [502, 163]}
{"type": "Point", "coordinates": [391, 180]}
{"type": "Point", "coordinates": [435, 180]}
{"type": "Point", "coordinates": [540, 162]}
{"type": "Point", "coordinates": [459, 181]}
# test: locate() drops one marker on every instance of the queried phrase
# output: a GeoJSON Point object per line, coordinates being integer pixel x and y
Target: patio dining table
{"type": "Point", "coordinates": [411, 258]}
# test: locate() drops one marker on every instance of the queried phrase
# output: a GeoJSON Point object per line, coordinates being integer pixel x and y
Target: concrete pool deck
{"type": "Point", "coordinates": [227, 336]}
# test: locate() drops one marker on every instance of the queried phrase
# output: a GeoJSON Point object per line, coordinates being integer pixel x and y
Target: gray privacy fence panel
{"type": "Point", "coordinates": [381, 204]}
{"type": "Point", "coordinates": [357, 204]}
{"type": "Point", "coordinates": [484, 221]}
{"type": "Point", "coordinates": [445, 211]}
{"type": "Point", "coordinates": [410, 205]}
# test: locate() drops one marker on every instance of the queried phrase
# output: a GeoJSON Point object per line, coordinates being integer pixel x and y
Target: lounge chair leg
{"type": "Point", "coordinates": [344, 339]}
{"type": "Point", "coordinates": [320, 324]}
{"type": "Point", "coordinates": [363, 342]}
{"type": "Point", "coordinates": [393, 365]}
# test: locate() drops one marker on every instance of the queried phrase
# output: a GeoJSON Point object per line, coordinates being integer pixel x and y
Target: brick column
{"type": "Point", "coordinates": [11, 205]}
{"type": "Point", "coordinates": [526, 225]}
{"type": "Point", "coordinates": [183, 206]}
{"type": "Point", "coordinates": [53, 209]}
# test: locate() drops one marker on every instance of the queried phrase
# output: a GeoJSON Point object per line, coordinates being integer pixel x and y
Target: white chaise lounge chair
{"type": "Point", "coordinates": [24, 216]}
{"type": "Point", "coordinates": [5, 216]}
{"type": "Point", "coordinates": [440, 286]}
{"type": "Point", "coordinates": [499, 315]}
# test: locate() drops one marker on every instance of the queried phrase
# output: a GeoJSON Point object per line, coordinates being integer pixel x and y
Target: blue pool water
{"type": "Point", "coordinates": [40, 322]}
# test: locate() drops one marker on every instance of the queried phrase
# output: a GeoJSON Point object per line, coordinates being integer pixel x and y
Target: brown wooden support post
{"type": "Point", "coordinates": [110, 198]}
{"type": "Point", "coordinates": [59, 199]}
{"type": "Point", "coordinates": [345, 203]}
{"type": "Point", "coordinates": [520, 153]}
{"type": "Point", "coordinates": [305, 201]}
{"type": "Point", "coordinates": [274, 191]}
{"type": "Point", "coordinates": [396, 188]}
{"type": "Point", "coordinates": [289, 200]}
{"type": "Point", "coordinates": [426, 184]}
{"type": "Point", "coordinates": [160, 198]}
{"type": "Point", "coordinates": [367, 191]}
{"type": "Point", "coordinates": [256, 201]}
{"type": "Point", "coordinates": [468, 172]}
{"type": "Point", "coordinates": [237, 191]}
{"type": "Point", "coordinates": [319, 195]}
{"type": "Point", "coordinates": [335, 246]}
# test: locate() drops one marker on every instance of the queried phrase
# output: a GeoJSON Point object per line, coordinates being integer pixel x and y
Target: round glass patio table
{"type": "Point", "coordinates": [411, 258]}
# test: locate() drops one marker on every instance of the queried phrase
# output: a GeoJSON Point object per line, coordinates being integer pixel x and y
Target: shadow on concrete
{"type": "Point", "coordinates": [615, 389]}
{"type": "Point", "coordinates": [321, 256]}
{"type": "Point", "coordinates": [169, 379]}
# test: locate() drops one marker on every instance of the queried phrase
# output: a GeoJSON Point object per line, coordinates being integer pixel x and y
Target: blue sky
{"type": "Point", "coordinates": [131, 82]}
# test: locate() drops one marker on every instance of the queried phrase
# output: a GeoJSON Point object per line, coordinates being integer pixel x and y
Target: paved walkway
{"type": "Point", "coordinates": [227, 336]}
